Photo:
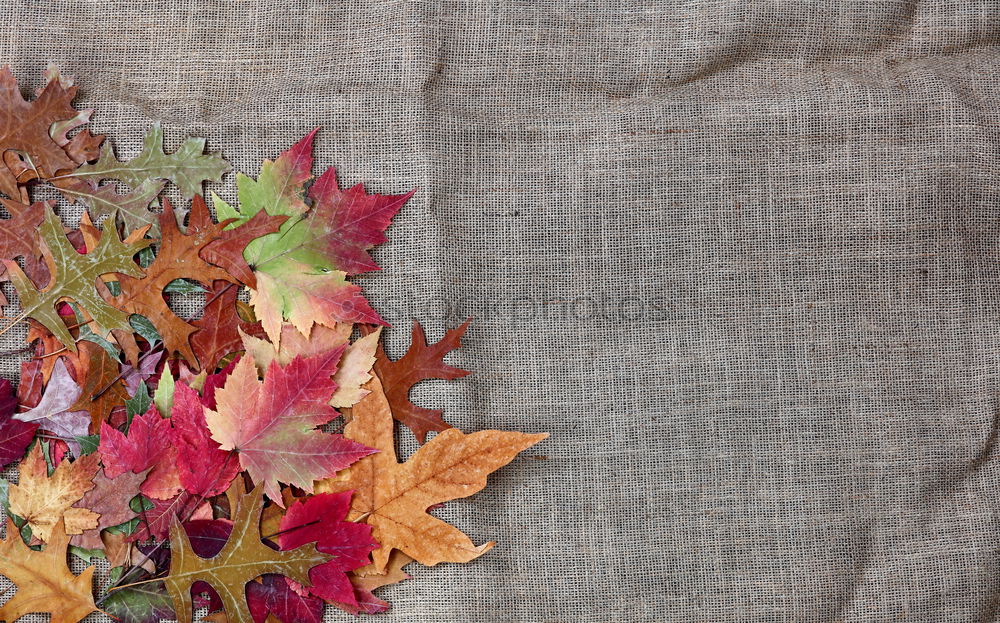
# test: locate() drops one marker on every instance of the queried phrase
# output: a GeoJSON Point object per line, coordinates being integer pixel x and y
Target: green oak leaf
{"type": "Point", "coordinates": [243, 558]}
{"type": "Point", "coordinates": [187, 168]}
{"type": "Point", "coordinates": [132, 207]}
{"type": "Point", "coordinates": [87, 334]}
{"type": "Point", "coordinates": [74, 277]}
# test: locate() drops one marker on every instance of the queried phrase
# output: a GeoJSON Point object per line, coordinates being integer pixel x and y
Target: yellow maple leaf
{"type": "Point", "coordinates": [43, 499]}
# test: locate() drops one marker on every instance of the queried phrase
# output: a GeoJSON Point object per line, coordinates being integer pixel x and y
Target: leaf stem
{"type": "Point", "coordinates": [52, 354]}
{"type": "Point", "coordinates": [131, 584]}
{"type": "Point", "coordinates": [14, 323]}
{"type": "Point", "coordinates": [17, 351]}
{"type": "Point", "coordinates": [292, 529]}
{"type": "Point", "coordinates": [44, 436]}
{"type": "Point", "coordinates": [106, 613]}
{"type": "Point", "coordinates": [218, 294]}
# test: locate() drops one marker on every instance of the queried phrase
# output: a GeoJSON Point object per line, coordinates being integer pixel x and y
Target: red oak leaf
{"type": "Point", "coordinates": [273, 424]}
{"type": "Point", "coordinates": [420, 362]}
{"type": "Point", "coordinates": [321, 518]}
{"type": "Point", "coordinates": [145, 446]}
{"type": "Point", "coordinates": [204, 469]}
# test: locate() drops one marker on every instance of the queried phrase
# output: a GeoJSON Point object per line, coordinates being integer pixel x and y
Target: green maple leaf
{"type": "Point", "coordinates": [74, 277]}
{"type": "Point", "coordinates": [302, 269]}
{"type": "Point", "coordinates": [242, 559]}
{"type": "Point", "coordinates": [187, 168]}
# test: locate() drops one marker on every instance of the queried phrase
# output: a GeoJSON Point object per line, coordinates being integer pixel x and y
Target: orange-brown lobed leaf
{"type": "Point", "coordinates": [25, 128]}
{"type": "Point", "coordinates": [421, 362]}
{"type": "Point", "coordinates": [178, 258]}
{"type": "Point", "coordinates": [393, 498]}
{"type": "Point", "coordinates": [44, 582]}
{"type": "Point", "coordinates": [102, 389]}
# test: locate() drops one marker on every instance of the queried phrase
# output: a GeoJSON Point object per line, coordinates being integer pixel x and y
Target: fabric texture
{"type": "Point", "coordinates": [739, 257]}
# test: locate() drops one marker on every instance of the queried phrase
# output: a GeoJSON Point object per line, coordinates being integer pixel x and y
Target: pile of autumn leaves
{"type": "Point", "coordinates": [194, 454]}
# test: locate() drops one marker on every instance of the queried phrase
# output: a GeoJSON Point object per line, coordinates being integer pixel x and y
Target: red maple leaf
{"type": "Point", "coordinates": [204, 469]}
{"type": "Point", "coordinates": [348, 222]}
{"type": "Point", "coordinates": [269, 422]}
{"type": "Point", "coordinates": [274, 594]}
{"type": "Point", "coordinates": [214, 382]}
{"type": "Point", "coordinates": [146, 446]}
{"type": "Point", "coordinates": [321, 518]}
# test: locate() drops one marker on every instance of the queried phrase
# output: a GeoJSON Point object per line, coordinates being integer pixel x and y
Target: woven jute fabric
{"type": "Point", "coordinates": [739, 257]}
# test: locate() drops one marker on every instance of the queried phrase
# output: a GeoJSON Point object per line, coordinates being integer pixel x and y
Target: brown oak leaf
{"type": "Point", "coordinates": [219, 327]}
{"type": "Point", "coordinates": [25, 130]}
{"type": "Point", "coordinates": [420, 362]}
{"type": "Point", "coordinates": [226, 251]}
{"type": "Point", "coordinates": [178, 258]}
{"type": "Point", "coordinates": [17, 239]}
{"type": "Point", "coordinates": [102, 389]}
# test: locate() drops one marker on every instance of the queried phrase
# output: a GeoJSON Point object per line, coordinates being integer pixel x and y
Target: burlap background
{"type": "Point", "coordinates": [739, 257]}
